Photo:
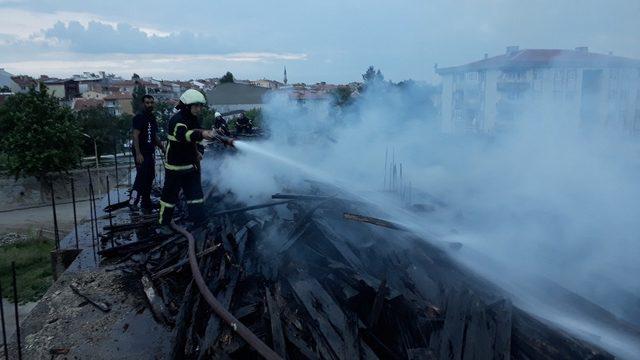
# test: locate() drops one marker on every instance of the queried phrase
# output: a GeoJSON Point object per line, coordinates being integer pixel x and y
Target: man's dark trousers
{"type": "Point", "coordinates": [145, 173]}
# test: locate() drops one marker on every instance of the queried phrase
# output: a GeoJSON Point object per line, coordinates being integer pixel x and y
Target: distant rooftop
{"type": "Point", "coordinates": [235, 94]}
{"type": "Point", "coordinates": [528, 58]}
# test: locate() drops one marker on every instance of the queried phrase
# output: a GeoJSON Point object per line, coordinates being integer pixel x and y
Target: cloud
{"type": "Point", "coordinates": [99, 37]}
{"type": "Point", "coordinates": [244, 65]}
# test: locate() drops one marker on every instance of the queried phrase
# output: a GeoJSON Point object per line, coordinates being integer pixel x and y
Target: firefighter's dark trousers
{"type": "Point", "coordinates": [189, 182]}
{"type": "Point", "coordinates": [145, 173]}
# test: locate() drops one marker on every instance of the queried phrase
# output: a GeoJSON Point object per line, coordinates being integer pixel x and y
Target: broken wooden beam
{"type": "Point", "coordinates": [376, 309]}
{"type": "Point", "coordinates": [155, 303]}
{"type": "Point", "coordinates": [248, 208]}
{"type": "Point", "coordinates": [129, 226]}
{"type": "Point", "coordinates": [373, 221]}
{"type": "Point", "coordinates": [128, 248]}
{"type": "Point", "coordinates": [277, 334]}
{"type": "Point", "coordinates": [301, 197]}
{"type": "Point", "coordinates": [183, 262]}
{"type": "Point", "coordinates": [102, 305]}
{"type": "Point", "coordinates": [116, 206]}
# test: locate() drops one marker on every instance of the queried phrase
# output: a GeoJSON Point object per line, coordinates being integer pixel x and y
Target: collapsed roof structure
{"type": "Point", "coordinates": [314, 273]}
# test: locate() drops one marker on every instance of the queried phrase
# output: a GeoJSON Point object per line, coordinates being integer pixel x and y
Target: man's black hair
{"type": "Point", "coordinates": [147, 96]}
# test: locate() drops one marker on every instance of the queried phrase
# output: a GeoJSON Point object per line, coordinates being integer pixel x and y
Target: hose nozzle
{"type": "Point", "coordinates": [227, 141]}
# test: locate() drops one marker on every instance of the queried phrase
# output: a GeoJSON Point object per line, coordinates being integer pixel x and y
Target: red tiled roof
{"type": "Point", "coordinates": [545, 58]}
{"type": "Point", "coordinates": [82, 104]}
{"type": "Point", "coordinates": [24, 80]}
{"type": "Point", "coordinates": [119, 96]}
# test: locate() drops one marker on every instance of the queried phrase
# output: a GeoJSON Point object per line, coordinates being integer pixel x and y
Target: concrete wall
{"type": "Point", "coordinates": [26, 192]}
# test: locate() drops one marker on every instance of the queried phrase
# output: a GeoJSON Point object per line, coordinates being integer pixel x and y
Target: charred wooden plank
{"type": "Point", "coordinates": [373, 221]}
{"type": "Point", "coordinates": [276, 325]}
{"type": "Point", "coordinates": [301, 197]}
{"type": "Point", "coordinates": [158, 309]}
{"type": "Point", "coordinates": [295, 338]}
{"type": "Point", "coordinates": [299, 227]}
{"type": "Point", "coordinates": [378, 346]}
{"type": "Point", "coordinates": [533, 339]}
{"type": "Point", "coordinates": [102, 305]}
{"type": "Point", "coordinates": [128, 248]}
{"type": "Point", "coordinates": [182, 323]}
{"type": "Point", "coordinates": [182, 263]}
{"type": "Point", "coordinates": [376, 309]}
{"type": "Point", "coordinates": [351, 336]}
{"type": "Point", "coordinates": [116, 206]}
{"type": "Point", "coordinates": [248, 208]}
{"type": "Point", "coordinates": [322, 309]}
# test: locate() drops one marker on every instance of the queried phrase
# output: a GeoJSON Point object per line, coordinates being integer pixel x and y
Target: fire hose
{"type": "Point", "coordinates": [236, 325]}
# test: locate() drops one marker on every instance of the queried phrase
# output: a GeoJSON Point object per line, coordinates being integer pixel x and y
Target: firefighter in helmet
{"type": "Point", "coordinates": [183, 155]}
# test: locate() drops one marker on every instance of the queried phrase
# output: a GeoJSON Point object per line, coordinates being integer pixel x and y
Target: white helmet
{"type": "Point", "coordinates": [217, 114]}
{"type": "Point", "coordinates": [192, 96]}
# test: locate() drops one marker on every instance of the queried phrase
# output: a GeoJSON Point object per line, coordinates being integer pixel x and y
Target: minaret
{"type": "Point", "coordinates": [285, 75]}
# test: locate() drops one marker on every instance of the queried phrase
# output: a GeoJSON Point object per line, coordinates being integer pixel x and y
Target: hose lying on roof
{"type": "Point", "coordinates": [236, 325]}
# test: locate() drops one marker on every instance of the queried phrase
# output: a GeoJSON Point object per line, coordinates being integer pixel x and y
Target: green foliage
{"type": "Point", "coordinates": [138, 92]}
{"type": "Point", "coordinates": [38, 135]}
{"type": "Point", "coordinates": [33, 268]}
{"type": "Point", "coordinates": [207, 117]}
{"type": "Point", "coordinates": [371, 75]}
{"type": "Point", "coordinates": [255, 115]}
{"type": "Point", "coordinates": [342, 95]}
{"type": "Point", "coordinates": [105, 128]}
{"type": "Point", "coordinates": [227, 78]}
{"type": "Point", "coordinates": [164, 111]}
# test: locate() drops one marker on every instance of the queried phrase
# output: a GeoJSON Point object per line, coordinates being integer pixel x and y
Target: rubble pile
{"type": "Point", "coordinates": [314, 275]}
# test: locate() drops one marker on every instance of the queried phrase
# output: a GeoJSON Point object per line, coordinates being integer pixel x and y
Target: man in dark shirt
{"type": "Point", "coordinates": [145, 140]}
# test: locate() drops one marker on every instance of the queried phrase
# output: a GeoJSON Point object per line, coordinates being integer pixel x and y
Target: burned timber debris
{"type": "Point", "coordinates": [309, 277]}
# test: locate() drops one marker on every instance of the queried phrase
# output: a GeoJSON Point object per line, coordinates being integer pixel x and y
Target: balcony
{"type": "Point", "coordinates": [513, 85]}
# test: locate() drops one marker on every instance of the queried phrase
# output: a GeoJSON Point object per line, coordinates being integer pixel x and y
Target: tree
{"type": "Point", "coordinates": [106, 129]}
{"type": "Point", "coordinates": [227, 78]}
{"type": "Point", "coordinates": [371, 75]}
{"type": "Point", "coordinates": [207, 116]}
{"type": "Point", "coordinates": [138, 92]}
{"type": "Point", "coordinates": [164, 112]}
{"type": "Point", "coordinates": [342, 95]}
{"type": "Point", "coordinates": [38, 135]}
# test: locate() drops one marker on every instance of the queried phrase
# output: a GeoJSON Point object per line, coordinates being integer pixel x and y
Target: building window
{"type": "Point", "coordinates": [558, 76]}
{"type": "Point", "coordinates": [614, 74]}
{"type": "Point", "coordinates": [571, 79]}
{"type": "Point", "coordinates": [458, 99]}
{"type": "Point", "coordinates": [536, 74]}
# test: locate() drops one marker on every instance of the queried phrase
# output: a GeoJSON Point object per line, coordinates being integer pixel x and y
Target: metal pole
{"type": "Point", "coordinates": [95, 151]}
{"type": "Point", "coordinates": [93, 203]}
{"type": "Point", "coordinates": [15, 307]}
{"type": "Point", "coordinates": [75, 216]}
{"type": "Point", "coordinates": [55, 216]}
{"type": "Point", "coordinates": [109, 207]}
{"type": "Point", "coordinates": [93, 238]}
{"type": "Point", "coordinates": [129, 176]}
{"type": "Point", "coordinates": [4, 330]}
{"type": "Point", "coordinates": [109, 201]}
{"type": "Point", "coordinates": [115, 159]}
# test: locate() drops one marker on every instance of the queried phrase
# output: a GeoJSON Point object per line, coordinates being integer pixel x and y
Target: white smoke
{"type": "Point", "coordinates": [546, 197]}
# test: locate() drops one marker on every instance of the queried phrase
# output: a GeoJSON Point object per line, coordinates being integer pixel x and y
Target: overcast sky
{"type": "Point", "coordinates": [328, 40]}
